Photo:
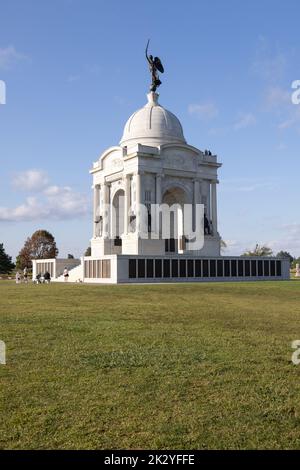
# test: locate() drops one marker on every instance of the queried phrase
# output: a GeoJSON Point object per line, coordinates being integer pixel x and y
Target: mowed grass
{"type": "Point", "coordinates": [189, 366]}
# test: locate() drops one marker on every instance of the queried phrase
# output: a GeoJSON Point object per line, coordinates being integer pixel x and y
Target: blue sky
{"type": "Point", "coordinates": [75, 71]}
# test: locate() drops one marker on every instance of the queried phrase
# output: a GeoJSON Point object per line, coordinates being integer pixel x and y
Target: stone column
{"type": "Point", "coordinates": [158, 189]}
{"type": "Point", "coordinates": [214, 207]}
{"type": "Point", "coordinates": [96, 207]}
{"type": "Point", "coordinates": [158, 200]}
{"type": "Point", "coordinates": [127, 203]}
{"type": "Point", "coordinates": [137, 202]}
{"type": "Point", "coordinates": [196, 200]}
{"type": "Point", "coordinates": [106, 212]}
{"type": "Point", "coordinates": [208, 201]}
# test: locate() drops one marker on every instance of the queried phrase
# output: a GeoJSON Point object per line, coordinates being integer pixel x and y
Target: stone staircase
{"type": "Point", "coordinates": [75, 275]}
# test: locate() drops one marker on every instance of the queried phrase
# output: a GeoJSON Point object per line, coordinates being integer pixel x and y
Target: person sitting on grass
{"type": "Point", "coordinates": [37, 279]}
{"type": "Point", "coordinates": [18, 277]}
{"type": "Point", "coordinates": [47, 277]}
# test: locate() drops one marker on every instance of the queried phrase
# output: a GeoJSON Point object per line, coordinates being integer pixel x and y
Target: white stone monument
{"type": "Point", "coordinates": [154, 166]}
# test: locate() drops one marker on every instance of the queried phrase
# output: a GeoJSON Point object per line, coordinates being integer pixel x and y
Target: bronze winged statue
{"type": "Point", "coordinates": [155, 66]}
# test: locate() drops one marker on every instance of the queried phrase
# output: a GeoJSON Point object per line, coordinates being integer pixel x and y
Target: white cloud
{"type": "Point", "coordinates": [276, 96]}
{"type": "Point", "coordinates": [278, 101]}
{"type": "Point", "coordinates": [30, 210]}
{"type": "Point", "coordinates": [53, 191]}
{"type": "Point", "coordinates": [290, 119]}
{"type": "Point", "coordinates": [30, 180]}
{"type": "Point", "coordinates": [64, 201]}
{"type": "Point", "coordinates": [205, 111]}
{"type": "Point", "coordinates": [67, 205]}
{"type": "Point", "coordinates": [9, 56]}
{"type": "Point", "coordinates": [247, 185]}
{"type": "Point", "coordinates": [268, 64]}
{"type": "Point", "coordinates": [286, 124]}
{"type": "Point", "coordinates": [234, 248]}
{"type": "Point", "coordinates": [271, 65]}
{"type": "Point", "coordinates": [270, 68]}
{"type": "Point", "coordinates": [245, 120]}
{"type": "Point", "coordinates": [73, 78]}
{"type": "Point", "coordinates": [293, 230]}
{"type": "Point", "coordinates": [289, 240]}
{"type": "Point", "coordinates": [53, 202]}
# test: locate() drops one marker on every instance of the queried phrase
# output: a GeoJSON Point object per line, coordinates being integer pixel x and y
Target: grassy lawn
{"type": "Point", "coordinates": [166, 366]}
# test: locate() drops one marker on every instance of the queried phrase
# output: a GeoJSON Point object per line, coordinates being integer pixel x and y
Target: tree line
{"type": "Point", "coordinates": [263, 250]}
{"type": "Point", "coordinates": [41, 245]}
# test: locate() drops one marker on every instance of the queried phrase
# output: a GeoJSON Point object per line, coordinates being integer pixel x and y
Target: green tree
{"type": "Point", "coordinates": [88, 251]}
{"type": "Point", "coordinates": [285, 254]}
{"type": "Point", "coordinates": [6, 264]}
{"type": "Point", "coordinates": [70, 256]}
{"type": "Point", "coordinates": [41, 245]}
{"type": "Point", "coordinates": [259, 250]}
{"type": "Point", "coordinates": [295, 261]}
{"type": "Point", "coordinates": [223, 245]}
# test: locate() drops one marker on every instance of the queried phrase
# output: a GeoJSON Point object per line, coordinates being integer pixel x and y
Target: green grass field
{"type": "Point", "coordinates": [189, 366]}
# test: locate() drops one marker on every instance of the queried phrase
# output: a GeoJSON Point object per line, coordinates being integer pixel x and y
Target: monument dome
{"type": "Point", "coordinates": [152, 125]}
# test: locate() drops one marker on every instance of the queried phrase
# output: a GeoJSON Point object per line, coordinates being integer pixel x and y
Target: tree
{"type": "Point", "coordinates": [259, 250]}
{"type": "Point", "coordinates": [285, 254]}
{"type": "Point", "coordinates": [88, 251]}
{"type": "Point", "coordinates": [295, 261]}
{"type": "Point", "coordinates": [41, 245]}
{"type": "Point", "coordinates": [223, 245]}
{"type": "Point", "coordinates": [6, 264]}
{"type": "Point", "coordinates": [70, 256]}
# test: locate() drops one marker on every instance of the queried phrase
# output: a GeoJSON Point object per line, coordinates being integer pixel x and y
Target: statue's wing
{"type": "Point", "coordinates": [158, 64]}
{"type": "Point", "coordinates": [146, 52]}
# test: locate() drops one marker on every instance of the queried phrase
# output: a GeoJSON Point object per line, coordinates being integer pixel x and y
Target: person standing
{"type": "Point", "coordinates": [25, 275]}
{"type": "Point", "coordinates": [206, 225]}
{"type": "Point", "coordinates": [18, 277]}
{"type": "Point", "coordinates": [66, 274]}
